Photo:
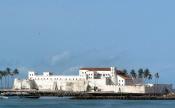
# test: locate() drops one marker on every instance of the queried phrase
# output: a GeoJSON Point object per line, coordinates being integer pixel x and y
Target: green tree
{"type": "Point", "coordinates": [4, 74]}
{"type": "Point", "coordinates": [156, 77]}
{"type": "Point", "coordinates": [125, 72]}
{"type": "Point", "coordinates": [133, 74]}
{"type": "Point", "coordinates": [150, 77]}
{"type": "Point", "coordinates": [5, 77]}
{"type": "Point", "coordinates": [140, 73]}
{"type": "Point", "coordinates": [146, 74]}
{"type": "Point", "coordinates": [1, 76]}
{"type": "Point", "coordinates": [8, 72]}
{"type": "Point", "coordinates": [14, 73]}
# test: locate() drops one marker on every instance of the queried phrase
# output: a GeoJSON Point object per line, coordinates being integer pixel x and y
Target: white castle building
{"type": "Point", "coordinates": [89, 79]}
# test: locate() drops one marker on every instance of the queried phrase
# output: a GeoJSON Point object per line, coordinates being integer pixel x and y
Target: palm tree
{"type": "Point", "coordinates": [146, 74]}
{"type": "Point", "coordinates": [156, 77]}
{"type": "Point", "coordinates": [11, 77]}
{"type": "Point", "coordinates": [140, 73]}
{"type": "Point", "coordinates": [150, 77]}
{"type": "Point", "coordinates": [1, 75]}
{"type": "Point", "coordinates": [125, 72]}
{"type": "Point", "coordinates": [156, 81]}
{"type": "Point", "coordinates": [4, 74]}
{"type": "Point", "coordinates": [15, 72]}
{"type": "Point", "coordinates": [8, 72]}
{"type": "Point", "coordinates": [133, 74]}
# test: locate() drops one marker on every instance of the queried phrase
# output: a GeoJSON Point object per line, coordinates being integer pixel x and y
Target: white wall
{"type": "Point", "coordinates": [158, 88]}
{"type": "Point", "coordinates": [123, 89]}
{"type": "Point", "coordinates": [104, 74]}
{"type": "Point", "coordinates": [120, 81]}
{"type": "Point", "coordinates": [66, 83]}
{"type": "Point", "coordinates": [80, 83]}
{"type": "Point", "coordinates": [24, 84]}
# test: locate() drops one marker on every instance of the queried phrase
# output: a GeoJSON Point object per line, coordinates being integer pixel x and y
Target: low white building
{"type": "Point", "coordinates": [48, 81]}
{"type": "Point", "coordinates": [89, 79]}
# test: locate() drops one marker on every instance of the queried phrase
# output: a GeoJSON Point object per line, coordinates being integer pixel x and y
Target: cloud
{"type": "Point", "coordinates": [72, 70]}
{"type": "Point", "coordinates": [60, 58]}
{"type": "Point", "coordinates": [67, 62]}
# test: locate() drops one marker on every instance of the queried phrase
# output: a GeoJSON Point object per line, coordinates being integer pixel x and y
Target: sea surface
{"type": "Point", "coordinates": [52, 102]}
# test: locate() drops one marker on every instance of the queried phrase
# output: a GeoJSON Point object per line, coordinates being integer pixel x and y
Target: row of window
{"type": "Point", "coordinates": [99, 74]}
{"type": "Point", "coordinates": [121, 80]}
{"type": "Point", "coordinates": [90, 77]}
{"type": "Point", "coordinates": [57, 78]}
{"type": "Point", "coordinates": [31, 75]}
{"type": "Point", "coordinates": [120, 84]}
{"type": "Point", "coordinates": [106, 74]}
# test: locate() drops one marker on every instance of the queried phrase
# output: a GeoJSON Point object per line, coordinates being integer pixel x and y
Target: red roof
{"type": "Point", "coordinates": [121, 74]}
{"type": "Point", "coordinates": [96, 69]}
{"type": "Point", "coordinates": [125, 77]}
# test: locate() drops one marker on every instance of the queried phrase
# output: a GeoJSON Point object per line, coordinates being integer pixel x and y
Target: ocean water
{"type": "Point", "coordinates": [50, 102]}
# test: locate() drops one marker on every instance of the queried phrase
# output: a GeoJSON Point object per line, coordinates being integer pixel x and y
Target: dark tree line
{"type": "Point", "coordinates": [142, 73]}
{"type": "Point", "coordinates": [7, 76]}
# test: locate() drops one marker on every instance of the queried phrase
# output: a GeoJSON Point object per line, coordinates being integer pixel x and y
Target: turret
{"type": "Point", "coordinates": [31, 74]}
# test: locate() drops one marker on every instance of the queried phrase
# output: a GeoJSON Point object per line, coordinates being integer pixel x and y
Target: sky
{"type": "Point", "coordinates": [61, 36]}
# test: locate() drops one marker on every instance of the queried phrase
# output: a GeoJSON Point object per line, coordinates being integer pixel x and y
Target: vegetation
{"type": "Point", "coordinates": [5, 76]}
{"type": "Point", "coordinates": [140, 73]}
{"type": "Point", "coordinates": [144, 74]}
{"type": "Point", "coordinates": [125, 72]}
{"type": "Point", "coordinates": [133, 73]}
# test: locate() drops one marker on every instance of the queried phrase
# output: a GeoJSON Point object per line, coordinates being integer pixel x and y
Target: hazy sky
{"type": "Point", "coordinates": [63, 35]}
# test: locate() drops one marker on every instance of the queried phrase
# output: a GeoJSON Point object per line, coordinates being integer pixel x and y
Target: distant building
{"type": "Point", "coordinates": [48, 81]}
{"type": "Point", "coordinates": [89, 79]}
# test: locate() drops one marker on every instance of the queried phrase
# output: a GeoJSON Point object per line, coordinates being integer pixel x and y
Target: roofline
{"type": "Point", "coordinates": [96, 69]}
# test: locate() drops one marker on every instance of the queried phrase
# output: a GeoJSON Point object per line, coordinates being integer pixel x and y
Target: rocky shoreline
{"type": "Point", "coordinates": [90, 95]}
